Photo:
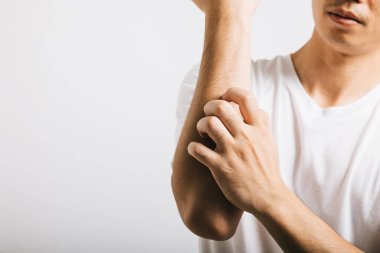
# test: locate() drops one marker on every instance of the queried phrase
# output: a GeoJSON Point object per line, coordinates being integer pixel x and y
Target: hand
{"type": "Point", "coordinates": [245, 161]}
{"type": "Point", "coordinates": [234, 7]}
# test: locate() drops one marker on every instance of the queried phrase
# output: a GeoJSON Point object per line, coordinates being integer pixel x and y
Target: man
{"type": "Point", "coordinates": [283, 154]}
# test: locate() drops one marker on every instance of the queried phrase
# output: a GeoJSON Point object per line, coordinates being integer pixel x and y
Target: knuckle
{"type": "Point", "coordinates": [248, 98]}
{"type": "Point", "coordinates": [212, 123]}
{"type": "Point", "coordinates": [221, 108]}
{"type": "Point", "coordinates": [232, 89]}
{"type": "Point", "coordinates": [197, 150]}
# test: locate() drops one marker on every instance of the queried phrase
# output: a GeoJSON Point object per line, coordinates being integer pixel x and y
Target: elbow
{"type": "Point", "coordinates": [215, 228]}
{"type": "Point", "coordinates": [214, 220]}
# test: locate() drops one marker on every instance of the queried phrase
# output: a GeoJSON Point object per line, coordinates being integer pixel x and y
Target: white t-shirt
{"type": "Point", "coordinates": [330, 158]}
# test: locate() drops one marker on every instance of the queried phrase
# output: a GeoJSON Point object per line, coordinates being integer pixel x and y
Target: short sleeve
{"type": "Point", "coordinates": [185, 96]}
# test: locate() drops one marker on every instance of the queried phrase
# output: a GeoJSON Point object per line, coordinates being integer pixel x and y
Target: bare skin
{"type": "Point", "coordinates": [226, 160]}
{"type": "Point", "coordinates": [339, 64]}
{"type": "Point", "coordinates": [225, 63]}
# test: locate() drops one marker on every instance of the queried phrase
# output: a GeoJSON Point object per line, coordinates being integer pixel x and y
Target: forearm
{"type": "Point", "coordinates": [297, 229]}
{"type": "Point", "coordinates": [225, 63]}
{"type": "Point", "coordinates": [226, 58]}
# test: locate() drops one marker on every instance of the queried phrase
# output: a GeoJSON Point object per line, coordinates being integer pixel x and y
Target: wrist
{"type": "Point", "coordinates": [228, 33]}
{"type": "Point", "coordinates": [230, 9]}
{"type": "Point", "coordinates": [228, 20]}
{"type": "Point", "coordinates": [279, 201]}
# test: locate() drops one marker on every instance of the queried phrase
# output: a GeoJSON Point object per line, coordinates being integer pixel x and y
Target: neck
{"type": "Point", "coordinates": [333, 78]}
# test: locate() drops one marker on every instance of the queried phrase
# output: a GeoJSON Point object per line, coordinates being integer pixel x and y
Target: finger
{"type": "Point", "coordinates": [203, 154]}
{"type": "Point", "coordinates": [237, 109]}
{"type": "Point", "coordinates": [214, 128]}
{"type": "Point", "coordinates": [226, 113]}
{"type": "Point", "coordinates": [247, 103]}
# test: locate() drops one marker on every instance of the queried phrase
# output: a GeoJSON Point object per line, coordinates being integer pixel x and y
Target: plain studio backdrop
{"type": "Point", "coordinates": [88, 90]}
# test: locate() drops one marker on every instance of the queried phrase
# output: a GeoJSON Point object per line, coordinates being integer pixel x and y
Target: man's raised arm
{"type": "Point", "coordinates": [226, 63]}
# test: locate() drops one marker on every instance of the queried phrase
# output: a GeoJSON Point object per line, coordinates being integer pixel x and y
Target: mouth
{"type": "Point", "coordinates": [345, 17]}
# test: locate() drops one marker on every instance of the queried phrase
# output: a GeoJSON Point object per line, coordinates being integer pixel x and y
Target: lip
{"type": "Point", "coordinates": [345, 17]}
{"type": "Point", "coordinates": [343, 21]}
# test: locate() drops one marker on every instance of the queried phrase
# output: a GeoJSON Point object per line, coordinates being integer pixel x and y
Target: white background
{"type": "Point", "coordinates": [88, 91]}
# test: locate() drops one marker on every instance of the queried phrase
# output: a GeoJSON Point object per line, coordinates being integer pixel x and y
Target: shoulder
{"type": "Point", "coordinates": [268, 68]}
{"type": "Point", "coordinates": [269, 75]}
